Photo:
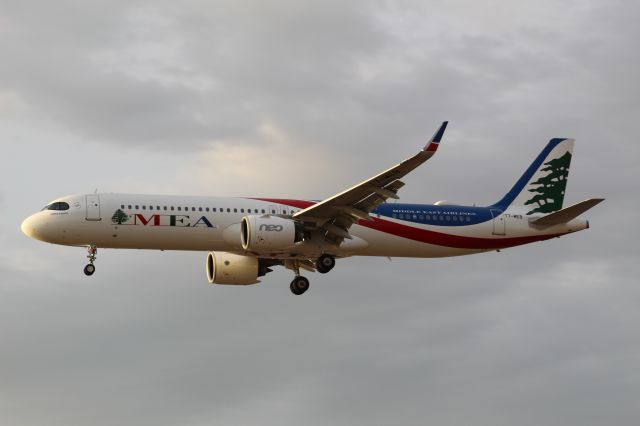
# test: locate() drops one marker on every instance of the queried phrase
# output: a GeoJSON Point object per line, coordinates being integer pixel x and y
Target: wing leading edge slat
{"type": "Point", "coordinates": [336, 214]}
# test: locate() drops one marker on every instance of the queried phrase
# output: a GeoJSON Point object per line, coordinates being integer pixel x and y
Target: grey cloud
{"type": "Point", "coordinates": [542, 334]}
{"type": "Point", "coordinates": [443, 348]}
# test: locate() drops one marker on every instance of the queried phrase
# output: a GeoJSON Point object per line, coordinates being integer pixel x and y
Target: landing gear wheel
{"type": "Point", "coordinates": [325, 263]}
{"type": "Point", "coordinates": [299, 285]}
{"type": "Point", "coordinates": [92, 251]}
{"type": "Point", "coordinates": [89, 269]}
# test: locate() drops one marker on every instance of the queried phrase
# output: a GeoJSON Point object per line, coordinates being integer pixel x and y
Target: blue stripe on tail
{"type": "Point", "coordinates": [506, 201]}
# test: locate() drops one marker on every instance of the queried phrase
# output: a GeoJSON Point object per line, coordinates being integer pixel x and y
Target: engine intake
{"type": "Point", "coordinates": [267, 233]}
{"type": "Point", "coordinates": [229, 268]}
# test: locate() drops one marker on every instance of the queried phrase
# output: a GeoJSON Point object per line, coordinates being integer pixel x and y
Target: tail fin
{"type": "Point", "coordinates": [541, 188]}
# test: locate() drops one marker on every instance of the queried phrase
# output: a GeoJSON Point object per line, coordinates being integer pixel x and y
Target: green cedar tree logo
{"type": "Point", "coordinates": [119, 217]}
{"type": "Point", "coordinates": [550, 188]}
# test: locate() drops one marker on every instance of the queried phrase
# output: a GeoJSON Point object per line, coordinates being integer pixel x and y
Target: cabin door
{"type": "Point", "coordinates": [93, 207]}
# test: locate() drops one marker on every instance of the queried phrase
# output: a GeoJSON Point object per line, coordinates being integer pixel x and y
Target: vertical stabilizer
{"type": "Point", "coordinates": [542, 186]}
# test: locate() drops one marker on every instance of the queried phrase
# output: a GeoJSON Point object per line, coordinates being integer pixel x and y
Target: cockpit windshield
{"type": "Point", "coordinates": [61, 205]}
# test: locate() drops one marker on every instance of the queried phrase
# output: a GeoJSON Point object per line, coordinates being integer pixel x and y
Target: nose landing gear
{"type": "Point", "coordinates": [93, 253]}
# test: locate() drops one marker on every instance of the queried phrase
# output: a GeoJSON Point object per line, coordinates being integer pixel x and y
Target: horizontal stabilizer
{"type": "Point", "coordinates": [567, 214]}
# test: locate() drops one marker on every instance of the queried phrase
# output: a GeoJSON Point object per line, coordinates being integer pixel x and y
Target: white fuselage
{"type": "Point", "coordinates": [164, 222]}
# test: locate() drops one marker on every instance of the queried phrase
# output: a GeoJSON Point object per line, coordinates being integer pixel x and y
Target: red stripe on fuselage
{"type": "Point", "coordinates": [301, 204]}
{"type": "Point", "coordinates": [449, 240]}
{"type": "Point", "coordinates": [427, 236]}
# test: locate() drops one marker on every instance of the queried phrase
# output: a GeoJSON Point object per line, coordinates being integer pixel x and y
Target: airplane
{"type": "Point", "coordinates": [246, 237]}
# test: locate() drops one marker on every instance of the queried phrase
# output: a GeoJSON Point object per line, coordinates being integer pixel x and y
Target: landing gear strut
{"type": "Point", "coordinates": [299, 284]}
{"type": "Point", "coordinates": [93, 253]}
{"type": "Point", "coordinates": [325, 263]}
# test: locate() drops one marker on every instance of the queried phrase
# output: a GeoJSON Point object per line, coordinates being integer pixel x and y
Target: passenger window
{"type": "Point", "coordinates": [137, 207]}
{"type": "Point", "coordinates": [415, 217]}
{"type": "Point", "coordinates": [144, 207]}
{"type": "Point", "coordinates": [193, 209]}
{"type": "Point", "coordinates": [164, 207]}
{"type": "Point", "coordinates": [179, 209]}
{"type": "Point", "coordinates": [213, 209]}
{"type": "Point", "coordinates": [200, 209]}
{"type": "Point", "coordinates": [235, 210]}
{"type": "Point", "coordinates": [441, 217]}
{"type": "Point", "coordinates": [427, 217]}
{"type": "Point", "coordinates": [129, 206]}
{"type": "Point", "coordinates": [421, 217]}
{"type": "Point", "coordinates": [448, 218]}
{"type": "Point", "coordinates": [122, 206]}
{"type": "Point", "coordinates": [262, 211]}
{"type": "Point", "coordinates": [207, 209]}
{"type": "Point", "coordinates": [241, 210]}
{"type": "Point", "coordinates": [401, 216]}
{"type": "Point", "coordinates": [455, 218]}
{"type": "Point", "coordinates": [468, 218]}
{"type": "Point", "coordinates": [172, 208]}
{"type": "Point", "coordinates": [273, 212]}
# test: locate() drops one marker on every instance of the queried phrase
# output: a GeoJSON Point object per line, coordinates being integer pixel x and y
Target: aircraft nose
{"type": "Point", "coordinates": [30, 228]}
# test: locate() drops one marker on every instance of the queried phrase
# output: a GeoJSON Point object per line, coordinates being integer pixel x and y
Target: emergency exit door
{"type": "Point", "coordinates": [499, 224]}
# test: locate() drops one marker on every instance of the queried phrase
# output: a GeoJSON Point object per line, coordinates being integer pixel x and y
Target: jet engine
{"type": "Point", "coordinates": [268, 233]}
{"type": "Point", "coordinates": [229, 268]}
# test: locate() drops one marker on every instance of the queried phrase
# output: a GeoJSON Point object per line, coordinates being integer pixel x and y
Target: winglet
{"type": "Point", "coordinates": [437, 137]}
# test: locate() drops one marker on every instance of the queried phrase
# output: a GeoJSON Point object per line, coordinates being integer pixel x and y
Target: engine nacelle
{"type": "Point", "coordinates": [229, 268]}
{"type": "Point", "coordinates": [267, 233]}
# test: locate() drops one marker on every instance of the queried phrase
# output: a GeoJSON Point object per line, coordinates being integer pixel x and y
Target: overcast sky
{"type": "Point", "coordinates": [302, 99]}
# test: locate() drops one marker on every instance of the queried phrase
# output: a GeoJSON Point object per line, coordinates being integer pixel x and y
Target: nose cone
{"type": "Point", "coordinates": [31, 229]}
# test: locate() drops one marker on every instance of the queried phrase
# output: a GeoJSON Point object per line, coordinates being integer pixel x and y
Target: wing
{"type": "Point", "coordinates": [335, 215]}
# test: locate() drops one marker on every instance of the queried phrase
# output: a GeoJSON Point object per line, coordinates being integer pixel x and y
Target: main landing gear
{"type": "Point", "coordinates": [300, 284]}
{"type": "Point", "coordinates": [325, 263]}
{"type": "Point", "coordinates": [93, 253]}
